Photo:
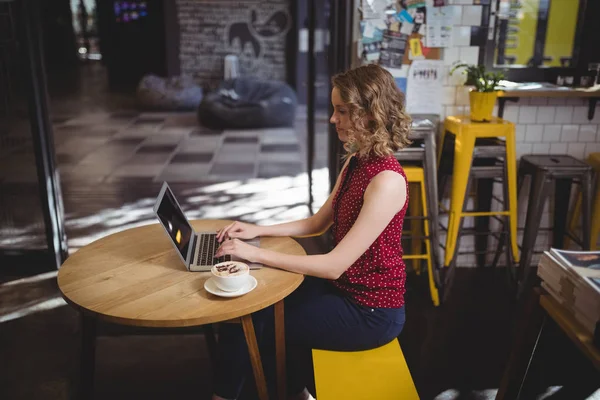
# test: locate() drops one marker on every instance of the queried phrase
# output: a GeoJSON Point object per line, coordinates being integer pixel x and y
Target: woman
{"type": "Point", "coordinates": [352, 298]}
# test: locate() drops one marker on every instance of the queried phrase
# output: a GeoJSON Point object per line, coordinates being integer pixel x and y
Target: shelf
{"type": "Point", "coordinates": [530, 90]}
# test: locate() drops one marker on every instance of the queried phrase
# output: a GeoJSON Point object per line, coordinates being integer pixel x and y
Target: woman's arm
{"type": "Point", "coordinates": [384, 198]}
{"type": "Point", "coordinates": [314, 225]}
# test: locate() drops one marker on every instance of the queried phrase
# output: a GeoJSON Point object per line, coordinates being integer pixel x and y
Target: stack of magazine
{"type": "Point", "coordinates": [573, 279]}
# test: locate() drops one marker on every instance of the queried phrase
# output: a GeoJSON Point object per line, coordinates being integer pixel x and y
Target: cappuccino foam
{"type": "Point", "coordinates": [230, 269]}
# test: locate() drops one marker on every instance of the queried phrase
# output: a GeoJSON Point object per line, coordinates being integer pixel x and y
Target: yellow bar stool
{"type": "Point", "coordinates": [419, 230]}
{"type": "Point", "coordinates": [465, 133]}
{"type": "Point", "coordinates": [594, 160]}
{"type": "Point", "coordinates": [379, 373]}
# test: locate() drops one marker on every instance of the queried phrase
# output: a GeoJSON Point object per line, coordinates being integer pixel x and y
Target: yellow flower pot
{"type": "Point", "coordinates": [482, 105]}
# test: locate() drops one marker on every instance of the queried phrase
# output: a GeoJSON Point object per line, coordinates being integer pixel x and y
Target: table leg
{"type": "Point", "coordinates": [280, 349]}
{"type": "Point", "coordinates": [527, 337]}
{"type": "Point", "coordinates": [88, 356]}
{"type": "Point", "coordinates": [257, 369]}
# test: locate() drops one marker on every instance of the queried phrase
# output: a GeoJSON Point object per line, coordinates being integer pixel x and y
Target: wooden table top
{"type": "Point", "coordinates": [135, 277]}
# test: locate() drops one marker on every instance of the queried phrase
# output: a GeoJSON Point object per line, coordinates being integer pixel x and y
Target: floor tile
{"type": "Point", "coordinates": [184, 173]}
{"type": "Point", "coordinates": [240, 139]}
{"type": "Point", "coordinates": [157, 148]}
{"type": "Point", "coordinates": [279, 148]}
{"type": "Point", "coordinates": [98, 131]}
{"type": "Point", "coordinates": [124, 115]}
{"type": "Point", "coordinates": [279, 132]}
{"type": "Point", "coordinates": [238, 148]}
{"type": "Point", "coordinates": [182, 120]}
{"type": "Point", "coordinates": [163, 139]}
{"type": "Point", "coordinates": [88, 118]}
{"type": "Point", "coordinates": [248, 157]}
{"type": "Point", "coordinates": [93, 173]}
{"type": "Point", "coordinates": [68, 158]}
{"type": "Point", "coordinates": [280, 157]}
{"type": "Point", "coordinates": [204, 131]}
{"type": "Point", "coordinates": [108, 156]}
{"type": "Point", "coordinates": [80, 145]}
{"type": "Point", "coordinates": [202, 158]}
{"type": "Point", "coordinates": [273, 170]}
{"type": "Point", "coordinates": [174, 131]}
{"type": "Point", "coordinates": [59, 120]}
{"type": "Point", "coordinates": [238, 170]}
{"type": "Point", "coordinates": [147, 119]}
{"type": "Point", "coordinates": [199, 144]}
{"type": "Point", "coordinates": [133, 132]}
{"type": "Point", "coordinates": [148, 159]}
{"type": "Point", "coordinates": [125, 142]}
{"type": "Point", "coordinates": [244, 132]}
{"type": "Point", "coordinates": [147, 171]}
{"type": "Point", "coordinates": [279, 140]}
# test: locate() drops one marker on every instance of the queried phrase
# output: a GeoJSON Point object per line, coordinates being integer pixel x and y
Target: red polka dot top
{"type": "Point", "coordinates": [377, 278]}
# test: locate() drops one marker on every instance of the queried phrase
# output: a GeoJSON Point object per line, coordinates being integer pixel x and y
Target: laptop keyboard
{"type": "Point", "coordinates": [208, 247]}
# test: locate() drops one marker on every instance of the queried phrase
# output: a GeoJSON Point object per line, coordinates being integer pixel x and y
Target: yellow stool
{"type": "Point", "coordinates": [379, 373]}
{"type": "Point", "coordinates": [466, 132]}
{"type": "Point", "coordinates": [417, 207]}
{"type": "Point", "coordinates": [594, 160]}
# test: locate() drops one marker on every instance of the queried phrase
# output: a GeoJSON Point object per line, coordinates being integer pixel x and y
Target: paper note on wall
{"type": "Point", "coordinates": [424, 87]}
{"type": "Point", "coordinates": [404, 16]}
{"type": "Point", "coordinates": [415, 3]}
{"type": "Point", "coordinates": [374, 9]}
{"type": "Point", "coordinates": [438, 32]}
{"type": "Point", "coordinates": [407, 28]}
{"type": "Point", "coordinates": [416, 51]}
{"type": "Point", "coordinates": [393, 47]}
{"type": "Point", "coordinates": [400, 75]}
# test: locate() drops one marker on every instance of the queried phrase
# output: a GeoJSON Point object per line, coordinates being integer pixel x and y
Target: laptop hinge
{"type": "Point", "coordinates": [193, 250]}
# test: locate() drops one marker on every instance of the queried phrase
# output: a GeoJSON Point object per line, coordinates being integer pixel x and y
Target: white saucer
{"type": "Point", "coordinates": [210, 287]}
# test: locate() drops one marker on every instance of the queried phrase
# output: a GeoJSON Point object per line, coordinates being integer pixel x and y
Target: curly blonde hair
{"type": "Point", "coordinates": [380, 124]}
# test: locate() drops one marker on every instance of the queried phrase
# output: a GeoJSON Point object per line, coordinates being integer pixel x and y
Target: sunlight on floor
{"type": "Point", "coordinates": [263, 201]}
{"type": "Point", "coordinates": [490, 394]}
{"type": "Point", "coordinates": [44, 305]}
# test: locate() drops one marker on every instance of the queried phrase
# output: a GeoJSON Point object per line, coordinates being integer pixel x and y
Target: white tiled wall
{"type": "Point", "coordinates": [543, 125]}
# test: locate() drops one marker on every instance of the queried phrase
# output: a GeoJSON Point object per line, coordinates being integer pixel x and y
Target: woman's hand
{"type": "Point", "coordinates": [236, 247]}
{"type": "Point", "coordinates": [238, 230]}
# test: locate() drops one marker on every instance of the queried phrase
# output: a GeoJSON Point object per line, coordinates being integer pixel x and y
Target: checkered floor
{"type": "Point", "coordinates": [108, 147]}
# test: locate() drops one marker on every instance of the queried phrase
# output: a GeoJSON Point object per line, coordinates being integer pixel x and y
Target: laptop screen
{"type": "Point", "coordinates": [174, 221]}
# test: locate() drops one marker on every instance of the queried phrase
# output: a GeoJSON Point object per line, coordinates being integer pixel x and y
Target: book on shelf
{"type": "Point", "coordinates": [584, 264]}
{"type": "Point", "coordinates": [573, 279]}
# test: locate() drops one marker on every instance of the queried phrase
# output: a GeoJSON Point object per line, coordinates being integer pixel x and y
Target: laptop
{"type": "Point", "coordinates": [196, 249]}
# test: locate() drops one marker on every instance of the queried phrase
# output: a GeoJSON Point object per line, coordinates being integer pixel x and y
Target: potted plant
{"type": "Point", "coordinates": [483, 95]}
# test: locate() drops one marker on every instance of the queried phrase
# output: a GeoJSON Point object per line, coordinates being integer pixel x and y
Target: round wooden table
{"type": "Point", "coordinates": [135, 277]}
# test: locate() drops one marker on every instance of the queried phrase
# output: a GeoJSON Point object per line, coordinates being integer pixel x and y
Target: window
{"type": "Point", "coordinates": [533, 33]}
{"type": "Point", "coordinates": [537, 40]}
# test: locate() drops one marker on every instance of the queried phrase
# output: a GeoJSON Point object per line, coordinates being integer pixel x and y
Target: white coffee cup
{"type": "Point", "coordinates": [230, 276]}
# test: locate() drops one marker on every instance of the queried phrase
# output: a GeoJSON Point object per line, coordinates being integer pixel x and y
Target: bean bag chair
{"type": "Point", "coordinates": [178, 93]}
{"type": "Point", "coordinates": [246, 103]}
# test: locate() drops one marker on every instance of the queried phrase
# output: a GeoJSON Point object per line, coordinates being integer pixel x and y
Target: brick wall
{"type": "Point", "coordinates": [543, 125]}
{"type": "Point", "coordinates": [210, 30]}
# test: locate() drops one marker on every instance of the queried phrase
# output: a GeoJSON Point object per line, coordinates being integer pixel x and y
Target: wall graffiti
{"type": "Point", "coordinates": [252, 30]}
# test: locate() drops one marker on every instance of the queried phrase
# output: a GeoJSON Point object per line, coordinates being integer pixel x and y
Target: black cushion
{"type": "Point", "coordinates": [248, 103]}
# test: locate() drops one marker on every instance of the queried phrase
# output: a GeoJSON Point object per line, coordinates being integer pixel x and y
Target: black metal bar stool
{"type": "Point", "coordinates": [544, 170]}
{"type": "Point", "coordinates": [422, 153]}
